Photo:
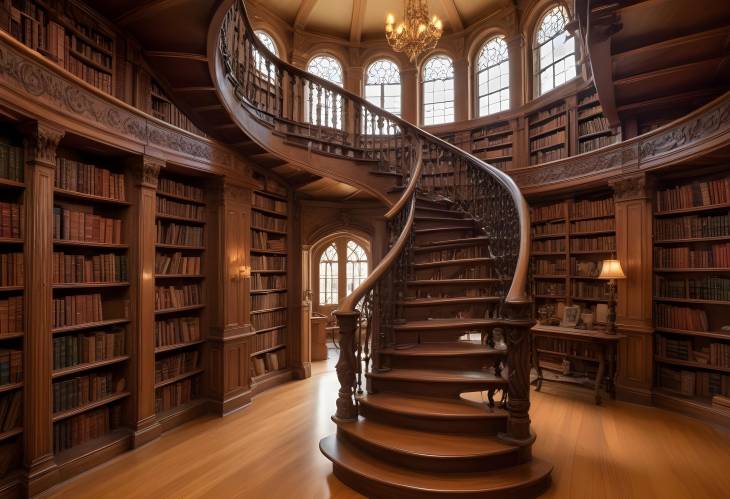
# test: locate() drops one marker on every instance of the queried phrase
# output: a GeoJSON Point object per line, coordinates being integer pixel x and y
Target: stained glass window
{"type": "Point", "coordinates": [357, 266]}
{"type": "Point", "coordinates": [438, 90]}
{"type": "Point", "coordinates": [554, 51]}
{"type": "Point", "coordinates": [493, 77]}
{"type": "Point", "coordinates": [328, 273]}
{"type": "Point", "coordinates": [323, 107]}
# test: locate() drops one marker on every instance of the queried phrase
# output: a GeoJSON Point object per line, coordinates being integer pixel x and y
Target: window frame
{"type": "Point", "coordinates": [340, 242]}
{"type": "Point", "coordinates": [537, 70]}
{"type": "Point", "coordinates": [478, 72]}
{"type": "Point", "coordinates": [382, 86]}
{"type": "Point", "coordinates": [424, 81]}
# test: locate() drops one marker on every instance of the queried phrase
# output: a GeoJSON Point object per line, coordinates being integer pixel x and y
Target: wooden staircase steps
{"type": "Point", "coordinates": [431, 451]}
{"type": "Point", "coordinates": [443, 212]}
{"type": "Point", "coordinates": [457, 300]}
{"type": "Point", "coordinates": [461, 324]}
{"type": "Point", "coordinates": [442, 355]}
{"type": "Point", "coordinates": [439, 349]}
{"type": "Point", "coordinates": [379, 480]}
{"type": "Point", "coordinates": [450, 243]}
{"type": "Point", "coordinates": [459, 261]}
{"type": "Point", "coordinates": [453, 282]}
{"type": "Point", "coordinates": [434, 382]}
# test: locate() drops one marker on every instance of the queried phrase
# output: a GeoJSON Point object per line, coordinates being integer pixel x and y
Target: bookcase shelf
{"type": "Point", "coordinates": [89, 325]}
{"type": "Point", "coordinates": [494, 144]}
{"type": "Point", "coordinates": [177, 378]}
{"type": "Point", "coordinates": [692, 258]}
{"type": "Point", "coordinates": [59, 373]}
{"type": "Point", "coordinates": [10, 387]}
{"type": "Point", "coordinates": [59, 416]}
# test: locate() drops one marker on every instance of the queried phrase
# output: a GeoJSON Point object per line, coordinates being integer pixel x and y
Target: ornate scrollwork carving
{"type": "Point", "coordinates": [41, 143]}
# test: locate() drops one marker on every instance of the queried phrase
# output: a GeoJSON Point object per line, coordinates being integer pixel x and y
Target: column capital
{"type": "Point", "coordinates": [632, 187]}
{"type": "Point", "coordinates": [146, 171]}
{"type": "Point", "coordinates": [41, 141]}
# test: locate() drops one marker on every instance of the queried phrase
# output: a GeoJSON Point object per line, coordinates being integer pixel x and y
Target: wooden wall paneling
{"type": "Point", "coordinates": [145, 171]}
{"type": "Point", "coordinates": [228, 339]}
{"type": "Point", "coordinates": [41, 142]}
{"type": "Point", "coordinates": [634, 308]}
{"type": "Point", "coordinates": [571, 105]}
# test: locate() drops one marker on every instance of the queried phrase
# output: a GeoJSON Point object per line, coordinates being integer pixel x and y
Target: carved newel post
{"type": "Point", "coordinates": [518, 373]}
{"type": "Point", "coordinates": [347, 366]}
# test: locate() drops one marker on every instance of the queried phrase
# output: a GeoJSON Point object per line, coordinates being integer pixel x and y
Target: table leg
{"type": "Point", "coordinates": [599, 375]}
{"type": "Point", "coordinates": [536, 364]}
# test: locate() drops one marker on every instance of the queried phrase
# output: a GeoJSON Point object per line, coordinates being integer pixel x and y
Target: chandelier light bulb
{"type": "Point", "coordinates": [390, 19]}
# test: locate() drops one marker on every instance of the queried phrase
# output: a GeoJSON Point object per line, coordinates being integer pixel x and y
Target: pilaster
{"type": "Point", "coordinates": [515, 49]}
{"type": "Point", "coordinates": [41, 142]}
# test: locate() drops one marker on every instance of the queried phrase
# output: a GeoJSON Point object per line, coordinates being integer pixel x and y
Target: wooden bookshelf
{"type": "Point", "coordinates": [548, 133]}
{"type": "Point", "coordinates": [593, 129]}
{"type": "Point", "coordinates": [269, 314]}
{"type": "Point", "coordinates": [90, 333]}
{"type": "Point", "coordinates": [12, 297]}
{"type": "Point", "coordinates": [570, 238]}
{"type": "Point", "coordinates": [494, 144]}
{"type": "Point", "coordinates": [180, 298]}
{"type": "Point", "coordinates": [161, 107]}
{"type": "Point", "coordinates": [692, 293]}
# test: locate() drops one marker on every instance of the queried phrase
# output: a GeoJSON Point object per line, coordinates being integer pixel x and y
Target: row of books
{"type": "Point", "coordinates": [169, 113]}
{"type": "Point", "coordinates": [548, 212]}
{"type": "Point", "coordinates": [86, 426]}
{"type": "Point", "coordinates": [265, 241]}
{"type": "Point", "coordinates": [496, 153]}
{"type": "Point", "coordinates": [555, 139]}
{"type": "Point", "coordinates": [76, 225]}
{"type": "Point", "coordinates": [683, 257]}
{"type": "Point", "coordinates": [470, 272]}
{"type": "Point", "coordinates": [601, 243]}
{"type": "Point", "coordinates": [268, 362]}
{"type": "Point", "coordinates": [11, 215]}
{"type": "Point", "coordinates": [268, 203]}
{"type": "Point", "coordinates": [167, 206]}
{"type": "Point", "coordinates": [267, 262]}
{"type": "Point", "coordinates": [263, 221]}
{"type": "Point", "coordinates": [11, 315]}
{"type": "Point", "coordinates": [484, 290]}
{"type": "Point", "coordinates": [182, 235]}
{"type": "Point", "coordinates": [706, 288]}
{"type": "Point", "coordinates": [694, 194]}
{"type": "Point", "coordinates": [91, 75]}
{"type": "Point", "coordinates": [692, 226]}
{"type": "Point", "coordinates": [11, 366]}
{"type": "Point", "coordinates": [467, 252]}
{"type": "Point", "coordinates": [549, 267]}
{"type": "Point", "coordinates": [592, 208]}
{"type": "Point", "coordinates": [11, 410]}
{"type": "Point", "coordinates": [593, 125]}
{"type": "Point", "coordinates": [548, 229]}
{"type": "Point", "coordinates": [694, 383]}
{"type": "Point", "coordinates": [167, 297]}
{"type": "Point", "coordinates": [75, 349]}
{"type": "Point", "coordinates": [176, 394]}
{"type": "Point", "coordinates": [587, 145]}
{"type": "Point", "coordinates": [271, 300]}
{"type": "Point", "coordinates": [549, 246]}
{"type": "Point", "coordinates": [82, 390]}
{"type": "Point", "coordinates": [168, 186]}
{"type": "Point", "coordinates": [589, 110]}
{"type": "Point", "coordinates": [594, 225]}
{"type": "Point", "coordinates": [558, 121]}
{"type": "Point", "coordinates": [685, 318]}
{"type": "Point", "coordinates": [550, 155]}
{"type": "Point", "coordinates": [492, 142]}
{"type": "Point", "coordinates": [587, 289]}
{"type": "Point", "coordinates": [492, 130]}
{"type": "Point", "coordinates": [172, 366]}
{"type": "Point", "coordinates": [73, 310]}
{"type": "Point", "coordinates": [89, 179]}
{"type": "Point", "coordinates": [269, 339]}
{"type": "Point", "coordinates": [262, 282]}
{"type": "Point", "coordinates": [551, 288]}
{"type": "Point", "coordinates": [268, 319]}
{"type": "Point", "coordinates": [108, 267]}
{"type": "Point", "coordinates": [12, 271]}
{"type": "Point", "coordinates": [713, 354]}
{"type": "Point", "coordinates": [92, 53]}
{"type": "Point", "coordinates": [177, 330]}
{"type": "Point", "coordinates": [565, 347]}
{"type": "Point", "coordinates": [11, 162]}
{"type": "Point", "coordinates": [552, 111]}
{"type": "Point", "coordinates": [176, 263]}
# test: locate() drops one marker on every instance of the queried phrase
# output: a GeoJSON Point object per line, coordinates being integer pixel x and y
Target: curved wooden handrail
{"type": "Point", "coordinates": [517, 291]}
{"type": "Point", "coordinates": [410, 188]}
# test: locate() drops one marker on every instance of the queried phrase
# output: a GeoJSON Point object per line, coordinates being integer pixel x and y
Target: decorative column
{"type": "Point", "coordinates": [410, 94]}
{"type": "Point", "coordinates": [141, 234]}
{"type": "Point", "coordinates": [41, 142]}
{"type": "Point", "coordinates": [305, 352]}
{"type": "Point", "coordinates": [515, 49]}
{"type": "Point", "coordinates": [633, 201]}
{"type": "Point", "coordinates": [229, 235]}
{"type": "Point", "coordinates": [461, 84]}
{"type": "Point", "coordinates": [346, 366]}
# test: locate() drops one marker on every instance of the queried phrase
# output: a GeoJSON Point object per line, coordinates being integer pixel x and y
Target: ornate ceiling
{"type": "Point", "coordinates": [358, 20]}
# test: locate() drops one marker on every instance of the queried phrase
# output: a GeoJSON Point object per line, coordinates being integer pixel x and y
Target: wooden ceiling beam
{"type": "Point", "coordinates": [357, 20]}
{"type": "Point", "coordinates": [452, 13]}
{"type": "Point", "coordinates": [145, 10]}
{"type": "Point", "coordinates": [305, 10]}
{"type": "Point", "coordinates": [176, 55]}
{"type": "Point", "coordinates": [669, 72]}
{"type": "Point", "coordinates": [672, 43]}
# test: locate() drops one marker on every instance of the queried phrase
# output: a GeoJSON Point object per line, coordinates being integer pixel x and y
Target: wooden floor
{"type": "Point", "coordinates": [269, 451]}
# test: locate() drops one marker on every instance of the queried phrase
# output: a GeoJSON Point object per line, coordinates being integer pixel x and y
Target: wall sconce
{"type": "Point", "coordinates": [244, 271]}
{"type": "Point", "coordinates": [610, 271]}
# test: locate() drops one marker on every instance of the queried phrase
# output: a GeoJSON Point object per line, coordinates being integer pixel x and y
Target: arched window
{"type": "Point", "coordinates": [554, 52]}
{"type": "Point", "coordinates": [260, 61]}
{"type": "Point", "coordinates": [438, 90]}
{"type": "Point", "coordinates": [322, 107]}
{"type": "Point", "coordinates": [328, 276]}
{"type": "Point", "coordinates": [357, 266]}
{"type": "Point", "coordinates": [493, 77]}
{"type": "Point", "coordinates": [382, 85]}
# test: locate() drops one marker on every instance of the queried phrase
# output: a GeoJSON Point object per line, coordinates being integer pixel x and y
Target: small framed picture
{"type": "Point", "coordinates": [601, 313]}
{"type": "Point", "coordinates": [570, 316]}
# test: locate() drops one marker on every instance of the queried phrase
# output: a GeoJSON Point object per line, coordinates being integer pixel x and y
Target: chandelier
{"type": "Point", "coordinates": [417, 33]}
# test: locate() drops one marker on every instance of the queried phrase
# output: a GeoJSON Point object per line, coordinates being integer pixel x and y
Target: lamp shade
{"type": "Point", "coordinates": [611, 269]}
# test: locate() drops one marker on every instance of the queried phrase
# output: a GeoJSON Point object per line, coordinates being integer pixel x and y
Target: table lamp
{"type": "Point", "coordinates": [610, 271]}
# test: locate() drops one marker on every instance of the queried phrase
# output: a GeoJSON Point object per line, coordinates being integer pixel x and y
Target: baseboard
{"type": "Point", "coordinates": [634, 395]}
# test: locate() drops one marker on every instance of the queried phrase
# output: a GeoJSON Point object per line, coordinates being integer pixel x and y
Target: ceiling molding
{"type": "Point", "coordinates": [305, 10]}
{"type": "Point", "coordinates": [452, 13]}
{"type": "Point", "coordinates": [145, 10]}
{"type": "Point", "coordinates": [358, 19]}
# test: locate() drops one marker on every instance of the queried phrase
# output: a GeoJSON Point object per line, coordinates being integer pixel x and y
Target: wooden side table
{"type": "Point", "coordinates": [588, 346]}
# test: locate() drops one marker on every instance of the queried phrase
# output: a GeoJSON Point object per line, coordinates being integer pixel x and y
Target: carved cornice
{"type": "Point", "coordinates": [41, 142]}
{"type": "Point", "coordinates": [147, 171]}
